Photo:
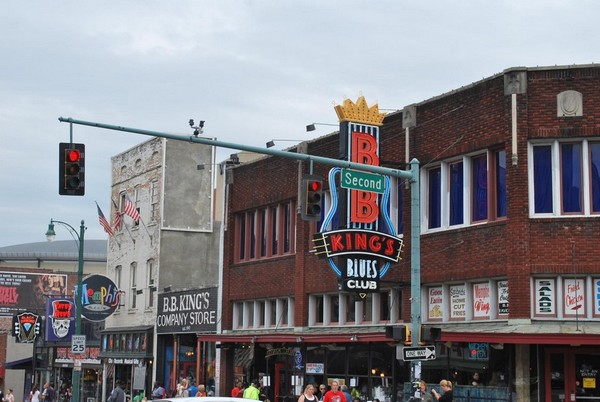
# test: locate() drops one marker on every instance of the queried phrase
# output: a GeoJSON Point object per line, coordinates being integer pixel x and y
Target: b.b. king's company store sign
{"type": "Point", "coordinates": [187, 311]}
{"type": "Point", "coordinates": [357, 235]}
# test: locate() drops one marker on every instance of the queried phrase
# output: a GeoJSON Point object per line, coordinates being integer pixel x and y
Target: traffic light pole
{"type": "Point", "coordinates": [412, 175]}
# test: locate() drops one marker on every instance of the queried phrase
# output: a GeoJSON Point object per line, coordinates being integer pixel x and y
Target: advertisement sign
{"type": "Point", "coordinates": [60, 319]}
{"type": "Point", "coordinates": [189, 311]}
{"type": "Point", "coordinates": [100, 297]}
{"type": "Point", "coordinates": [26, 326]}
{"type": "Point", "coordinates": [22, 291]}
{"type": "Point", "coordinates": [357, 234]}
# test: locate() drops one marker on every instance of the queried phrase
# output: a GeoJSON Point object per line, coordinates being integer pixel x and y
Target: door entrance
{"type": "Point", "coordinates": [572, 374]}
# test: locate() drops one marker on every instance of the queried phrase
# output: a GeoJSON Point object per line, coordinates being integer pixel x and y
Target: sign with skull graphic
{"type": "Point", "coordinates": [60, 313]}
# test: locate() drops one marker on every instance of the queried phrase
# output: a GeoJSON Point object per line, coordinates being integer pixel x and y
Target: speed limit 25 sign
{"type": "Point", "coordinates": [78, 344]}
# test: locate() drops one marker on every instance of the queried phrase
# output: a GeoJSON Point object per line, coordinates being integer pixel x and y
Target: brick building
{"type": "Point", "coordinates": [509, 202]}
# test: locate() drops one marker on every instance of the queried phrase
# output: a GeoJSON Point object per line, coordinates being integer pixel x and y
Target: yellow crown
{"type": "Point", "coordinates": [360, 112]}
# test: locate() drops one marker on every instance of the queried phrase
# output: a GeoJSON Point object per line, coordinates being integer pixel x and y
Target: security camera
{"type": "Point", "coordinates": [201, 125]}
{"type": "Point", "coordinates": [192, 122]}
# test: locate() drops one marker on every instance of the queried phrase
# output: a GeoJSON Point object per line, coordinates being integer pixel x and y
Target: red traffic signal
{"type": "Point", "coordinates": [71, 169]}
{"type": "Point", "coordinates": [310, 197]}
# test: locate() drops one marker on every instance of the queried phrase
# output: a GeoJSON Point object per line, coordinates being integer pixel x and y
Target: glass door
{"type": "Point", "coordinates": [572, 374]}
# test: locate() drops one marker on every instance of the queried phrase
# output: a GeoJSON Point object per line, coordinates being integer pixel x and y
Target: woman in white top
{"type": "Point", "coordinates": [34, 395]}
{"type": "Point", "coordinates": [309, 394]}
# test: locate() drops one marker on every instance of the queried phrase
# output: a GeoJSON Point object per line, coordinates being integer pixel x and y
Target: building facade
{"type": "Point", "coordinates": [166, 263]}
{"type": "Point", "coordinates": [33, 278]}
{"type": "Point", "coordinates": [508, 225]}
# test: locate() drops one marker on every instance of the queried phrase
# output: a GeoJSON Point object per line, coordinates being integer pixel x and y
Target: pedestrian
{"type": "Point", "coordinates": [117, 394]}
{"type": "Point", "coordinates": [344, 389]}
{"type": "Point", "coordinates": [201, 391]}
{"type": "Point", "coordinates": [321, 392]}
{"type": "Point", "coordinates": [34, 395]}
{"type": "Point", "coordinates": [158, 392]}
{"type": "Point", "coordinates": [252, 391]}
{"type": "Point", "coordinates": [48, 394]}
{"type": "Point", "coordinates": [334, 394]}
{"type": "Point", "coordinates": [447, 395]}
{"type": "Point", "coordinates": [10, 397]}
{"type": "Point", "coordinates": [421, 394]}
{"type": "Point", "coordinates": [309, 394]}
{"type": "Point", "coordinates": [193, 389]}
{"type": "Point", "coordinates": [236, 388]}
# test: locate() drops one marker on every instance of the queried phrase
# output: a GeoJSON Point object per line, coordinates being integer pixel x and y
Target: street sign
{"type": "Point", "coordinates": [419, 353]}
{"type": "Point", "coordinates": [78, 344]}
{"type": "Point", "coordinates": [357, 180]}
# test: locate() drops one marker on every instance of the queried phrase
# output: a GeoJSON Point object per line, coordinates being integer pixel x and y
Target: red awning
{"type": "Point", "coordinates": [291, 338]}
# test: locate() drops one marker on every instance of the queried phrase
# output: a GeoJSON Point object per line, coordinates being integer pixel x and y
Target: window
{"type": "Point", "coordinates": [262, 313]}
{"type": "Point", "coordinates": [258, 232]}
{"type": "Point", "coordinates": [133, 285]}
{"type": "Point", "coordinates": [375, 308]}
{"type": "Point", "coordinates": [154, 200]}
{"type": "Point", "coordinates": [118, 272]}
{"type": "Point", "coordinates": [151, 282]}
{"type": "Point", "coordinates": [465, 191]}
{"type": "Point", "coordinates": [564, 178]}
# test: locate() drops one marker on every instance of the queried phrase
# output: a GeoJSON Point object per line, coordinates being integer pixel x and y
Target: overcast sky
{"type": "Point", "coordinates": [253, 70]}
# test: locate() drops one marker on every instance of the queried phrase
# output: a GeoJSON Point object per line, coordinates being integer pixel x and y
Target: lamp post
{"type": "Point", "coordinates": [50, 235]}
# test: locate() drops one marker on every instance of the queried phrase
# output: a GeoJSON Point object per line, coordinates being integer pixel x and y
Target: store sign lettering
{"type": "Point", "coordinates": [362, 247]}
{"type": "Point", "coordinates": [545, 297]}
{"type": "Point", "coordinates": [187, 312]}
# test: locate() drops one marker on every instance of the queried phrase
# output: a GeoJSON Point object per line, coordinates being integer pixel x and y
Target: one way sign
{"type": "Point", "coordinates": [419, 353]}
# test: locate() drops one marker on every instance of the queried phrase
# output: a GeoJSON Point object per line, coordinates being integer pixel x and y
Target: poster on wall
{"type": "Point", "coordinates": [574, 298]}
{"type": "Point", "coordinates": [502, 298]}
{"type": "Point", "coordinates": [481, 300]}
{"type": "Point", "coordinates": [545, 297]}
{"type": "Point", "coordinates": [435, 299]}
{"type": "Point", "coordinates": [458, 302]}
{"type": "Point", "coordinates": [22, 291]}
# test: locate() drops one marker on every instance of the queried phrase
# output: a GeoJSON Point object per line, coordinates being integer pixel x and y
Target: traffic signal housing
{"type": "Point", "coordinates": [399, 333]}
{"type": "Point", "coordinates": [71, 169]}
{"type": "Point", "coordinates": [311, 195]}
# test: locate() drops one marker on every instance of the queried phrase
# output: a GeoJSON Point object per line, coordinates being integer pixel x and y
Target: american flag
{"type": "Point", "coordinates": [118, 219]}
{"type": "Point", "coordinates": [130, 209]}
{"type": "Point", "coordinates": [103, 222]}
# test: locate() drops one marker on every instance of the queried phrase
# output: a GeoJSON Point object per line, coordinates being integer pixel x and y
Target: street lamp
{"type": "Point", "coordinates": [50, 235]}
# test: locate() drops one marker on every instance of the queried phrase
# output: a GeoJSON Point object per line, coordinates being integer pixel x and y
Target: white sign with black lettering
{"type": "Point", "coordinates": [78, 344]}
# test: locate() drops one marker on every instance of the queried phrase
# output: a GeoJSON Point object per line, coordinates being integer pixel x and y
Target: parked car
{"type": "Point", "coordinates": [205, 399]}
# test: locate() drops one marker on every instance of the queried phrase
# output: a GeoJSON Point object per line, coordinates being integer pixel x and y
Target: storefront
{"type": "Point", "coordinates": [181, 316]}
{"type": "Point", "coordinates": [126, 355]}
{"type": "Point", "coordinates": [91, 372]}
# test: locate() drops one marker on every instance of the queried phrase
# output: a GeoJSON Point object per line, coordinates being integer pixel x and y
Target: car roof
{"type": "Point", "coordinates": [205, 399]}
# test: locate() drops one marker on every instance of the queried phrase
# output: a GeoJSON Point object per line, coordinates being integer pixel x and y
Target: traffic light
{"type": "Point", "coordinates": [71, 169]}
{"type": "Point", "coordinates": [398, 333]}
{"type": "Point", "coordinates": [311, 195]}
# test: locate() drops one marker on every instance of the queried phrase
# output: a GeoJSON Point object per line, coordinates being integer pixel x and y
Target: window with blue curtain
{"type": "Point", "coordinates": [542, 179]}
{"type": "Point", "coordinates": [500, 183]}
{"type": "Point", "coordinates": [434, 197]}
{"type": "Point", "coordinates": [480, 188]}
{"type": "Point", "coordinates": [595, 175]}
{"type": "Point", "coordinates": [570, 169]}
{"type": "Point", "coordinates": [456, 193]}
